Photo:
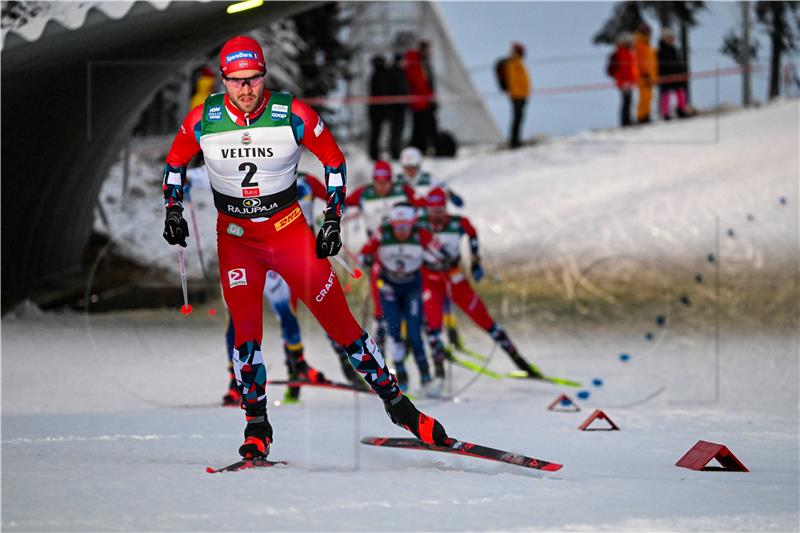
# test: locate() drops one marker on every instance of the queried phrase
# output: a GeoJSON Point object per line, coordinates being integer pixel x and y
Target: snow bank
{"type": "Point", "coordinates": [668, 189]}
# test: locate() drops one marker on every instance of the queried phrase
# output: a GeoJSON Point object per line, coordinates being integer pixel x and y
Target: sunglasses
{"type": "Point", "coordinates": [252, 81]}
{"type": "Point", "coordinates": [402, 225]}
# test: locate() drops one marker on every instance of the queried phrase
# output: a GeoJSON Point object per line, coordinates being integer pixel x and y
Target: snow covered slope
{"type": "Point", "coordinates": [109, 420]}
{"type": "Point", "coordinates": [668, 176]}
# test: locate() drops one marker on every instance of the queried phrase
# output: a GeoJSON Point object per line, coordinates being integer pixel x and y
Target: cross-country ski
{"type": "Point", "coordinates": [245, 464]}
{"type": "Point", "coordinates": [468, 449]}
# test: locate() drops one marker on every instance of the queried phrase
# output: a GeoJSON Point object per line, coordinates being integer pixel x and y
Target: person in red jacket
{"type": "Point", "coordinates": [252, 140]}
{"type": "Point", "coordinates": [419, 76]}
{"type": "Point", "coordinates": [626, 75]}
{"type": "Point", "coordinates": [443, 277]}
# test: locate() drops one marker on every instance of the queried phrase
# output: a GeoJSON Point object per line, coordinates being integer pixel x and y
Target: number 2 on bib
{"type": "Point", "coordinates": [250, 168]}
{"type": "Point", "coordinates": [249, 187]}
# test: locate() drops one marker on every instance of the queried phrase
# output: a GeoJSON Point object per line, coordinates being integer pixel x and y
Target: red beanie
{"type": "Point", "coordinates": [437, 198]}
{"type": "Point", "coordinates": [382, 171]}
{"type": "Point", "coordinates": [241, 53]}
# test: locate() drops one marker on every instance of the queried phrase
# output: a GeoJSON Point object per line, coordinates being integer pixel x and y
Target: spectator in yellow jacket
{"type": "Point", "coordinates": [648, 72]}
{"type": "Point", "coordinates": [203, 87]}
{"type": "Point", "coordinates": [519, 88]}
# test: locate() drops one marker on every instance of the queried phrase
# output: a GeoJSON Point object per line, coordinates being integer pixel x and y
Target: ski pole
{"type": "Point", "coordinates": [186, 309]}
{"type": "Point", "coordinates": [352, 256]}
{"type": "Point", "coordinates": [195, 227]}
{"type": "Point", "coordinates": [355, 274]}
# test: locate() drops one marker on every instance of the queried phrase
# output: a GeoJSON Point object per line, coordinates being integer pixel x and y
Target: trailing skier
{"type": "Point", "coordinates": [397, 248]}
{"type": "Point", "coordinates": [444, 276]}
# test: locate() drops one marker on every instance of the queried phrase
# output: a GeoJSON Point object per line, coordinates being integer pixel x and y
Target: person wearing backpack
{"type": "Point", "coordinates": [648, 72]}
{"type": "Point", "coordinates": [517, 84]}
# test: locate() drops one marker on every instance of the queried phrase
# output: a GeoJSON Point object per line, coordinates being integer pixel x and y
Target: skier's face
{"type": "Point", "coordinates": [402, 230]}
{"type": "Point", "coordinates": [410, 171]}
{"type": "Point", "coordinates": [245, 95]}
{"type": "Point", "coordinates": [437, 214]}
{"type": "Point", "coordinates": [382, 187]}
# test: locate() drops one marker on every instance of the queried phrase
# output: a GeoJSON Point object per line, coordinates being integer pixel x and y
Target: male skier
{"type": "Point", "coordinates": [251, 140]}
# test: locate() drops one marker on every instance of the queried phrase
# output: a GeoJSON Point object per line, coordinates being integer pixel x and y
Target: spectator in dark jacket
{"type": "Point", "coordinates": [380, 84]}
{"type": "Point", "coordinates": [672, 75]}
{"type": "Point", "coordinates": [397, 111]}
{"type": "Point", "coordinates": [423, 106]}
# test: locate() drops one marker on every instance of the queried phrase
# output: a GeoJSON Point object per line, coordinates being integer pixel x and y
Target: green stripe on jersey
{"type": "Point", "coordinates": [453, 225]}
{"type": "Point", "coordinates": [216, 119]}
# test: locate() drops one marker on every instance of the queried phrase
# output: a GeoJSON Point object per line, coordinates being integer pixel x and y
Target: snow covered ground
{"type": "Point", "coordinates": [109, 420]}
{"type": "Point", "coordinates": [109, 423]}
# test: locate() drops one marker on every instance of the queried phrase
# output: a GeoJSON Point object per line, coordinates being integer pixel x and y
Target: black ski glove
{"type": "Point", "coordinates": [175, 227]}
{"type": "Point", "coordinates": [477, 269]}
{"type": "Point", "coordinates": [329, 240]}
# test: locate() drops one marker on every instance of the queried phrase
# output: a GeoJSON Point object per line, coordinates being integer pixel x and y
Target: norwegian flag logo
{"type": "Point", "coordinates": [236, 277]}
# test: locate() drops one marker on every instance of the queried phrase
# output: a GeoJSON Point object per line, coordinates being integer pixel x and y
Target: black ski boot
{"type": "Point", "coordinates": [500, 336]}
{"type": "Point", "coordinates": [232, 398]}
{"type": "Point", "coordinates": [405, 414]}
{"type": "Point", "coordinates": [292, 394]}
{"type": "Point", "coordinates": [453, 336]}
{"type": "Point", "coordinates": [299, 370]}
{"type": "Point", "coordinates": [294, 355]}
{"type": "Point", "coordinates": [438, 367]}
{"type": "Point", "coordinates": [257, 437]}
{"type": "Point", "coordinates": [439, 354]}
{"type": "Point", "coordinates": [306, 372]}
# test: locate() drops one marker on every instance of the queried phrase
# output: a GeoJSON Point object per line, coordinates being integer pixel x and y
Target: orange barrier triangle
{"type": "Point", "coordinates": [598, 415]}
{"type": "Point", "coordinates": [698, 457]}
{"type": "Point", "coordinates": [565, 402]}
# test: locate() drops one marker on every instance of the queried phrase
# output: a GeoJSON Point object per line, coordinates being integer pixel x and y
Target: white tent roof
{"type": "Point", "coordinates": [35, 19]}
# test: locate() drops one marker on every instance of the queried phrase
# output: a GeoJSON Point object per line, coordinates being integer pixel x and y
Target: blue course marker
{"type": "Point", "coordinates": [624, 357]}
{"type": "Point", "coordinates": [597, 382]}
{"type": "Point", "coordinates": [584, 394]}
{"type": "Point", "coordinates": [648, 336]}
{"type": "Point", "coordinates": [660, 320]}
